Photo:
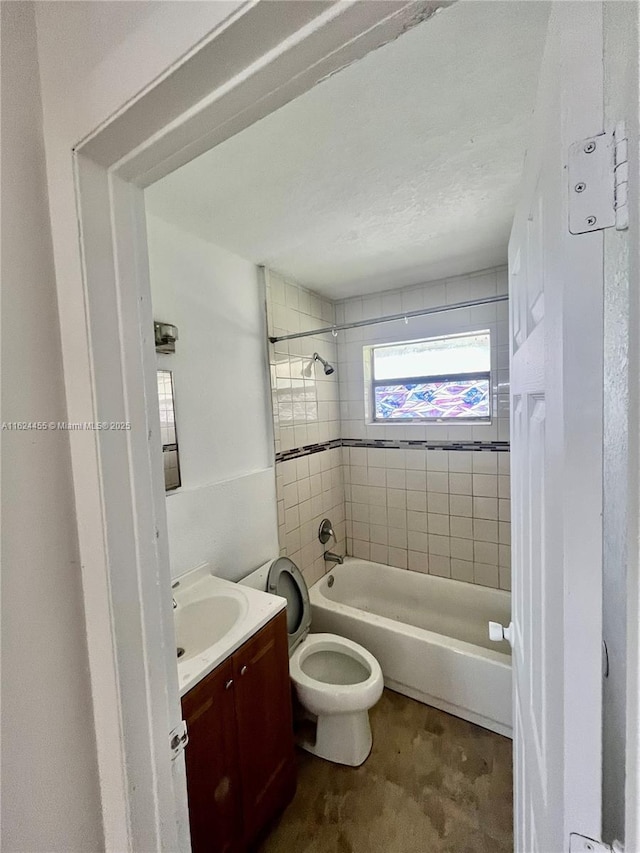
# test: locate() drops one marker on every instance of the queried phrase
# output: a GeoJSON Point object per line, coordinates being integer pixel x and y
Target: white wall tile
{"type": "Point", "coordinates": [397, 537]}
{"type": "Point", "coordinates": [361, 531]}
{"type": "Point", "coordinates": [504, 510]}
{"type": "Point", "coordinates": [361, 549]}
{"type": "Point", "coordinates": [460, 484]}
{"type": "Point", "coordinates": [437, 481]}
{"type": "Point", "coordinates": [397, 479]}
{"type": "Point", "coordinates": [504, 577]}
{"type": "Point", "coordinates": [439, 545]}
{"type": "Point", "coordinates": [461, 527]}
{"type": "Point", "coordinates": [485, 485]}
{"type": "Point", "coordinates": [438, 502]}
{"type": "Point", "coordinates": [417, 521]}
{"type": "Point", "coordinates": [418, 561]}
{"type": "Point", "coordinates": [486, 575]}
{"type": "Point", "coordinates": [485, 508]}
{"type": "Point", "coordinates": [378, 515]}
{"type": "Point", "coordinates": [396, 517]}
{"type": "Point", "coordinates": [461, 505]}
{"type": "Point", "coordinates": [417, 501]}
{"type": "Point", "coordinates": [377, 476]}
{"type": "Point", "coordinates": [418, 541]}
{"type": "Point", "coordinates": [485, 552]}
{"type": "Point", "coordinates": [398, 558]}
{"type": "Point", "coordinates": [505, 532]}
{"type": "Point", "coordinates": [460, 461]}
{"type": "Point", "coordinates": [415, 460]}
{"type": "Point", "coordinates": [397, 498]}
{"type": "Point", "coordinates": [416, 480]}
{"type": "Point", "coordinates": [360, 512]}
{"type": "Point", "coordinates": [485, 531]}
{"type": "Point", "coordinates": [437, 460]}
{"type": "Point", "coordinates": [379, 553]}
{"type": "Point", "coordinates": [379, 534]}
{"type": "Point", "coordinates": [504, 556]}
{"type": "Point", "coordinates": [438, 523]}
{"type": "Point", "coordinates": [462, 570]}
{"type": "Point", "coordinates": [462, 549]}
{"type": "Point", "coordinates": [439, 565]}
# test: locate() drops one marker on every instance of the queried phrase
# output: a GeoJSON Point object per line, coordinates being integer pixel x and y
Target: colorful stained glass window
{"type": "Point", "coordinates": [465, 398]}
{"type": "Point", "coordinates": [436, 379]}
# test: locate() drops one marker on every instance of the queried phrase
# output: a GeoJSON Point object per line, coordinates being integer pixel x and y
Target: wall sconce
{"type": "Point", "coordinates": [166, 336]}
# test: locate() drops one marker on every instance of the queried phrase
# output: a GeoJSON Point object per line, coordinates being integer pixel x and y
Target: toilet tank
{"type": "Point", "coordinates": [258, 578]}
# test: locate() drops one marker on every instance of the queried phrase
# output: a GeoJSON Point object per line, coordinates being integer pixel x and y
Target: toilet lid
{"type": "Point", "coordinates": [285, 579]}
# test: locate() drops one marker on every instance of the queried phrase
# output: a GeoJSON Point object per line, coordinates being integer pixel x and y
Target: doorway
{"type": "Point", "coordinates": [118, 186]}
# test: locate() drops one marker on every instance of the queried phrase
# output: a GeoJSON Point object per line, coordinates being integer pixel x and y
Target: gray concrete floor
{"type": "Point", "coordinates": [432, 784]}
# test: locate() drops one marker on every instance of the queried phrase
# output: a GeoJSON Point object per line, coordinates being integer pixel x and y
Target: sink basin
{"type": "Point", "coordinates": [202, 623]}
{"type": "Point", "coordinates": [213, 617]}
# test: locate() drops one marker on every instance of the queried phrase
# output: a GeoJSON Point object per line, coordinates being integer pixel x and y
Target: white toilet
{"type": "Point", "coordinates": [336, 680]}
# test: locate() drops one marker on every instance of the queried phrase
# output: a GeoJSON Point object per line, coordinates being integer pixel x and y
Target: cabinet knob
{"type": "Point", "coordinates": [228, 684]}
{"type": "Point", "coordinates": [243, 670]}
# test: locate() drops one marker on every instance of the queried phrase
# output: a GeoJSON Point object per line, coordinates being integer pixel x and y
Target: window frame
{"type": "Point", "coordinates": [371, 383]}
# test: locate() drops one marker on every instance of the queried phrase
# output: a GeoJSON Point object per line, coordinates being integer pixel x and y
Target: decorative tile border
{"type": "Point", "coordinates": [408, 444]}
{"type": "Point", "coordinates": [296, 452]}
{"type": "Point", "coordinates": [307, 450]}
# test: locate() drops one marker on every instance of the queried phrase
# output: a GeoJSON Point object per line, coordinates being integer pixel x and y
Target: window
{"type": "Point", "coordinates": [439, 379]}
{"type": "Point", "coordinates": [170, 454]}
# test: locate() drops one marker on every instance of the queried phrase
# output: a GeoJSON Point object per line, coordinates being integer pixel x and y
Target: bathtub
{"type": "Point", "coordinates": [429, 634]}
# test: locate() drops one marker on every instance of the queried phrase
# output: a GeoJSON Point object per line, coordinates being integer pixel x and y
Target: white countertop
{"type": "Point", "coordinates": [255, 607]}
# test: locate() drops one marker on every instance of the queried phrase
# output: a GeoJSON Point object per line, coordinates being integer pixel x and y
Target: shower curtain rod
{"type": "Point", "coordinates": [405, 315]}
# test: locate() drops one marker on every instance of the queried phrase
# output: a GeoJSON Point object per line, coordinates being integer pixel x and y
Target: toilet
{"type": "Point", "coordinates": [336, 680]}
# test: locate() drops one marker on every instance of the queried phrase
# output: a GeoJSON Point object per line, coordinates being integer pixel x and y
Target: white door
{"type": "Point", "coordinates": [556, 282]}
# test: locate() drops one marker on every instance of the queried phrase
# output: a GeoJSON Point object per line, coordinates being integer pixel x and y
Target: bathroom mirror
{"type": "Point", "coordinates": [168, 432]}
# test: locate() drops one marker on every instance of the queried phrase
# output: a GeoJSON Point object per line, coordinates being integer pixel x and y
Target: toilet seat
{"type": "Point", "coordinates": [323, 696]}
{"type": "Point", "coordinates": [285, 579]}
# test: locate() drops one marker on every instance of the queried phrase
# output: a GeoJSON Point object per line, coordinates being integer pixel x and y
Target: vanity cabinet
{"type": "Point", "coordinates": [240, 755]}
{"type": "Point", "coordinates": [213, 772]}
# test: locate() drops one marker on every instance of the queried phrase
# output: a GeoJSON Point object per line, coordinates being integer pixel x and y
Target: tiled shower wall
{"type": "Point", "coordinates": [443, 511]}
{"type": "Point", "coordinates": [306, 413]}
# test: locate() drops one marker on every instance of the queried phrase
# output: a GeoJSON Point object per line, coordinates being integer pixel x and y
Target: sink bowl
{"type": "Point", "coordinates": [213, 617]}
{"type": "Point", "coordinates": [201, 624]}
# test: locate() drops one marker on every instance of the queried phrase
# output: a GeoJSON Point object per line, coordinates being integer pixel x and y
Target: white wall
{"type": "Point", "coordinates": [225, 510]}
{"type": "Point", "coordinates": [49, 771]}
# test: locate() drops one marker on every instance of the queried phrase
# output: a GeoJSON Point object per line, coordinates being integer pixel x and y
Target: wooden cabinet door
{"type": "Point", "coordinates": [213, 777]}
{"type": "Point", "coordinates": [265, 729]}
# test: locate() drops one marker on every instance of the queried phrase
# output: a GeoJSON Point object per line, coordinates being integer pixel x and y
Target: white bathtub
{"type": "Point", "coordinates": [429, 634]}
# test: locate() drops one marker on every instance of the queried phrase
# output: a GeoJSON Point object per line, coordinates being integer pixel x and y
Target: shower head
{"type": "Point", "coordinates": [328, 369]}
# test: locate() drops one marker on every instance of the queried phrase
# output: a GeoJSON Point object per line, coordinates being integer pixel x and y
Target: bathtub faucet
{"type": "Point", "coordinates": [330, 557]}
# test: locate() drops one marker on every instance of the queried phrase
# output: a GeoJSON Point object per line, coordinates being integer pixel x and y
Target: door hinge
{"type": "Point", "coordinates": [598, 172]}
{"type": "Point", "coordinates": [178, 739]}
{"type": "Point", "coordinates": [583, 844]}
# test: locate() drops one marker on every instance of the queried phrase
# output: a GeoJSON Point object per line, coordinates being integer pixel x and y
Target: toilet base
{"type": "Point", "coordinates": [342, 738]}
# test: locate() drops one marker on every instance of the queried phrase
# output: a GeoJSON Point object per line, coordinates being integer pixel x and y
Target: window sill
{"type": "Point", "coordinates": [448, 422]}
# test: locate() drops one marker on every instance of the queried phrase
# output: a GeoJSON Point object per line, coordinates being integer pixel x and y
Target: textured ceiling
{"type": "Point", "coordinates": [401, 168]}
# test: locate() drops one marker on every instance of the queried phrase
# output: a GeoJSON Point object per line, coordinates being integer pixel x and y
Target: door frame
{"type": "Point", "coordinates": [223, 85]}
